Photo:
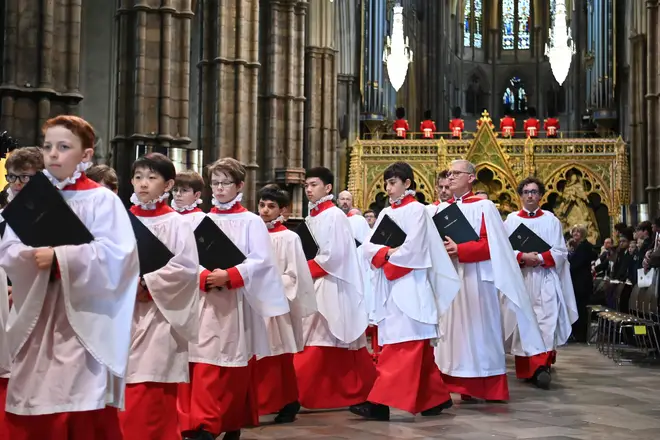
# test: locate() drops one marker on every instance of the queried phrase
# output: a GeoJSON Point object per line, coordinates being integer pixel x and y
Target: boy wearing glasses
{"type": "Point", "coordinates": [22, 164]}
{"type": "Point", "coordinates": [548, 282]}
{"type": "Point", "coordinates": [221, 396]}
{"type": "Point", "coordinates": [471, 356]}
{"type": "Point", "coordinates": [187, 193]}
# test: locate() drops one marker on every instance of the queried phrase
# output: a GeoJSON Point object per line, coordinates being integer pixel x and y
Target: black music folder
{"type": "Point", "coordinates": [525, 240]}
{"type": "Point", "coordinates": [3, 226]}
{"type": "Point", "coordinates": [40, 217]}
{"type": "Point", "coordinates": [388, 233]}
{"type": "Point", "coordinates": [214, 248]}
{"type": "Point", "coordinates": [451, 222]}
{"type": "Point", "coordinates": [357, 243]}
{"type": "Point", "coordinates": [309, 244]}
{"type": "Point", "coordinates": [152, 253]}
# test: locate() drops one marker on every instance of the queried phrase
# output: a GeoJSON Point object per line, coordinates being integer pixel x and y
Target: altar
{"type": "Point", "coordinates": [587, 179]}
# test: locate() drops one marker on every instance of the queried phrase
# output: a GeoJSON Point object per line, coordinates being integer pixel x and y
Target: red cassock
{"type": "Point", "coordinates": [507, 126]}
{"type": "Point", "coordinates": [456, 127]}
{"type": "Point", "coordinates": [551, 127]}
{"type": "Point", "coordinates": [401, 128]}
{"type": "Point", "coordinates": [427, 128]}
{"type": "Point", "coordinates": [532, 127]}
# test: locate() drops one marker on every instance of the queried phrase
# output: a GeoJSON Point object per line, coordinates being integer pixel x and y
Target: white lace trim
{"type": "Point", "coordinates": [273, 223]}
{"type": "Point", "coordinates": [151, 204]}
{"type": "Point", "coordinates": [190, 207]}
{"type": "Point", "coordinates": [398, 201]}
{"type": "Point", "coordinates": [10, 195]}
{"type": "Point", "coordinates": [313, 206]}
{"type": "Point", "coordinates": [227, 206]}
{"type": "Point", "coordinates": [60, 184]}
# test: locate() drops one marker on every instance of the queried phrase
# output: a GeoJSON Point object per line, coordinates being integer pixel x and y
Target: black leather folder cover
{"type": "Point", "coordinates": [214, 248]}
{"type": "Point", "coordinates": [525, 240]}
{"type": "Point", "coordinates": [309, 244]}
{"type": "Point", "coordinates": [152, 252]}
{"type": "Point", "coordinates": [451, 222]}
{"type": "Point", "coordinates": [388, 233]}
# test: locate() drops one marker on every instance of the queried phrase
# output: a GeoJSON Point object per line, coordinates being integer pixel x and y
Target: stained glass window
{"type": "Point", "coordinates": [514, 98]}
{"type": "Point", "coordinates": [523, 24]}
{"type": "Point", "coordinates": [467, 17]}
{"type": "Point", "coordinates": [477, 24]}
{"type": "Point", "coordinates": [508, 24]}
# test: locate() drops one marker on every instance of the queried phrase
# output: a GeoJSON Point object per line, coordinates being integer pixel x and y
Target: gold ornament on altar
{"type": "Point", "coordinates": [574, 209]}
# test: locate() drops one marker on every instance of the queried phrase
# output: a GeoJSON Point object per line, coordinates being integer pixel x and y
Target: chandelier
{"type": "Point", "coordinates": [560, 49]}
{"type": "Point", "coordinates": [397, 55]}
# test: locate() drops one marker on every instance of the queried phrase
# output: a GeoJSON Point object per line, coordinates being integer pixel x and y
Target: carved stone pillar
{"type": "Point", "coordinates": [153, 81]}
{"type": "Point", "coordinates": [281, 96]}
{"type": "Point", "coordinates": [320, 141]}
{"type": "Point", "coordinates": [348, 89]}
{"type": "Point", "coordinates": [229, 84]}
{"type": "Point", "coordinates": [637, 92]}
{"type": "Point", "coordinates": [652, 111]}
{"type": "Point", "coordinates": [41, 65]}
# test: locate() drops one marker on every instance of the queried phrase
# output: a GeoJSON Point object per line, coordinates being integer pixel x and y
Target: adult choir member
{"type": "Point", "coordinates": [70, 335]}
{"type": "Point", "coordinates": [471, 356]}
{"type": "Point", "coordinates": [335, 370]}
{"type": "Point", "coordinates": [548, 282]}
{"type": "Point", "coordinates": [414, 285]}
{"type": "Point", "coordinates": [442, 190]}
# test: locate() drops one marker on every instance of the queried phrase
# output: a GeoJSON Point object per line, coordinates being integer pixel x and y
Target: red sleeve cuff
{"type": "Point", "coordinates": [474, 251]}
{"type": "Point", "coordinates": [519, 258]}
{"type": "Point", "coordinates": [548, 261]}
{"type": "Point", "coordinates": [235, 279]}
{"type": "Point", "coordinates": [393, 272]}
{"type": "Point", "coordinates": [202, 279]}
{"type": "Point", "coordinates": [380, 258]}
{"type": "Point", "coordinates": [316, 270]}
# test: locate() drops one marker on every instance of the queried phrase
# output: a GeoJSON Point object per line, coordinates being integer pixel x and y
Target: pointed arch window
{"type": "Point", "coordinates": [516, 17]}
{"type": "Point", "coordinates": [473, 24]}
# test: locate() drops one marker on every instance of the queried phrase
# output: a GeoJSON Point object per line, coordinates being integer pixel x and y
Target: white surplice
{"type": "Point", "coordinates": [193, 217]}
{"type": "Point", "coordinates": [5, 358]}
{"type": "Point", "coordinates": [285, 331]}
{"type": "Point", "coordinates": [70, 338]}
{"type": "Point", "coordinates": [362, 233]}
{"type": "Point", "coordinates": [232, 325]}
{"type": "Point", "coordinates": [473, 345]}
{"type": "Point", "coordinates": [162, 328]}
{"type": "Point", "coordinates": [409, 308]}
{"type": "Point", "coordinates": [342, 316]}
{"type": "Point", "coordinates": [359, 227]}
{"type": "Point", "coordinates": [550, 290]}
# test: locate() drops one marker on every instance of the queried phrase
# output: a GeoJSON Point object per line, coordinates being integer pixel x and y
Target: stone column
{"type": "Point", "coordinates": [637, 92]}
{"type": "Point", "coordinates": [320, 133]}
{"type": "Point", "coordinates": [229, 84]}
{"type": "Point", "coordinates": [41, 67]}
{"type": "Point", "coordinates": [348, 41]}
{"type": "Point", "coordinates": [281, 96]}
{"type": "Point", "coordinates": [153, 81]}
{"type": "Point", "coordinates": [652, 113]}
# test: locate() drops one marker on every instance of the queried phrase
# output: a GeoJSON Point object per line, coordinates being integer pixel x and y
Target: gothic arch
{"type": "Point", "coordinates": [476, 89]}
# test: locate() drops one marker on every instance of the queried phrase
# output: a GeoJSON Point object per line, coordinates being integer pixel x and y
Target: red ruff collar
{"type": "Point", "coordinates": [322, 207]}
{"type": "Point", "coordinates": [189, 212]}
{"type": "Point", "coordinates": [236, 209]}
{"type": "Point", "coordinates": [279, 227]}
{"type": "Point", "coordinates": [524, 214]}
{"type": "Point", "coordinates": [83, 183]}
{"type": "Point", "coordinates": [161, 209]}
{"type": "Point", "coordinates": [406, 201]}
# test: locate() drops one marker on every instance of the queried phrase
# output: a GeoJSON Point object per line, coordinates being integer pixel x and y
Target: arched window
{"type": "Point", "coordinates": [514, 99]}
{"type": "Point", "coordinates": [515, 24]}
{"type": "Point", "coordinates": [472, 24]}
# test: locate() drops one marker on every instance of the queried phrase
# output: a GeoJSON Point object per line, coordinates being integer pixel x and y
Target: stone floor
{"type": "Point", "coordinates": [590, 398]}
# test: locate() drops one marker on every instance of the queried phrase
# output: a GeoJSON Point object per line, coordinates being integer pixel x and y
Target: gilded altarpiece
{"type": "Point", "coordinates": [587, 179]}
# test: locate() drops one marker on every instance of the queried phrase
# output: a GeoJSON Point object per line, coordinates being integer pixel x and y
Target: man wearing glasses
{"type": "Point", "coordinates": [471, 356]}
{"type": "Point", "coordinates": [548, 282]}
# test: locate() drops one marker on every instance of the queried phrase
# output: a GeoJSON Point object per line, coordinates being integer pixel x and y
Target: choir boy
{"type": "Point", "coordinates": [21, 165]}
{"type": "Point", "coordinates": [70, 336]}
{"type": "Point", "coordinates": [335, 369]}
{"type": "Point", "coordinates": [187, 192]}
{"type": "Point", "coordinates": [442, 190]}
{"type": "Point", "coordinates": [277, 389]}
{"type": "Point", "coordinates": [233, 311]}
{"type": "Point", "coordinates": [548, 282]}
{"type": "Point", "coordinates": [471, 356]}
{"type": "Point", "coordinates": [166, 317]}
{"type": "Point", "coordinates": [104, 175]}
{"type": "Point", "coordinates": [414, 285]}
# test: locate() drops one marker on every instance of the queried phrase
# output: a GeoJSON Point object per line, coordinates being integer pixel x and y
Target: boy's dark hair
{"type": "Point", "coordinates": [403, 171]}
{"type": "Point", "coordinates": [530, 180]}
{"type": "Point", "coordinates": [105, 175]}
{"type": "Point", "coordinates": [369, 211]}
{"type": "Point", "coordinates": [322, 173]}
{"type": "Point", "coordinates": [275, 194]}
{"type": "Point", "coordinates": [156, 162]}
{"type": "Point", "coordinates": [230, 167]}
{"type": "Point", "coordinates": [189, 179]}
{"type": "Point", "coordinates": [645, 226]}
{"type": "Point", "coordinates": [25, 158]}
